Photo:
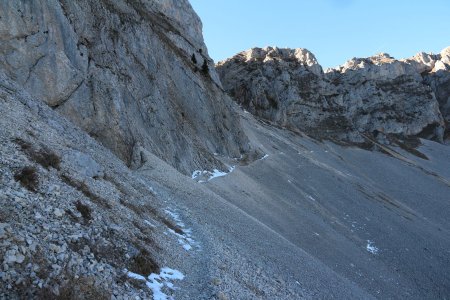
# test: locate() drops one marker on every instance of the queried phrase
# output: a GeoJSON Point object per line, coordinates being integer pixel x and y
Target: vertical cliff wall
{"type": "Point", "coordinates": [134, 74]}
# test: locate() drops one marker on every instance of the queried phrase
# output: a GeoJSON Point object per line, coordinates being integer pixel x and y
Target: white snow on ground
{"type": "Point", "coordinates": [150, 224]}
{"type": "Point", "coordinates": [156, 282]}
{"type": "Point", "coordinates": [197, 173]}
{"type": "Point", "coordinates": [217, 173]}
{"type": "Point", "coordinates": [204, 176]}
{"type": "Point", "coordinates": [371, 248]}
{"type": "Point", "coordinates": [264, 157]}
{"type": "Point", "coordinates": [311, 197]}
{"type": "Point", "coordinates": [185, 240]}
{"type": "Point", "coordinates": [150, 188]}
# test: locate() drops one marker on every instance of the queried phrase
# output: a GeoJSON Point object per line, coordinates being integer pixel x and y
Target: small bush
{"type": "Point", "coordinates": [84, 210]}
{"type": "Point", "coordinates": [48, 159]}
{"type": "Point", "coordinates": [27, 176]}
{"type": "Point", "coordinates": [82, 288]}
{"type": "Point", "coordinates": [44, 156]}
{"type": "Point", "coordinates": [205, 67]}
{"type": "Point", "coordinates": [84, 188]}
{"type": "Point", "coordinates": [144, 264]}
{"type": "Point", "coordinates": [172, 226]}
{"type": "Point", "coordinates": [194, 59]}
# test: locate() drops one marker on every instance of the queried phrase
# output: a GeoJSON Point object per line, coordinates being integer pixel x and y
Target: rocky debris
{"type": "Point", "coordinates": [81, 225]}
{"type": "Point", "coordinates": [377, 96]}
{"type": "Point", "coordinates": [123, 71]}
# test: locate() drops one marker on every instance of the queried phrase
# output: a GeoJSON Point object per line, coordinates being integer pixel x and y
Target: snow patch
{"type": "Point", "coordinates": [135, 276]}
{"type": "Point", "coordinates": [148, 186]}
{"type": "Point", "coordinates": [150, 224]}
{"type": "Point", "coordinates": [310, 197]}
{"type": "Point", "coordinates": [217, 173]}
{"type": "Point", "coordinates": [186, 239]}
{"type": "Point", "coordinates": [205, 176]}
{"type": "Point", "coordinates": [371, 248]}
{"type": "Point", "coordinates": [197, 173]}
{"type": "Point", "coordinates": [156, 282]}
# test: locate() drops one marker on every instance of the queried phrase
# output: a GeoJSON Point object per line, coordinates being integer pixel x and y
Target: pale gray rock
{"type": "Point", "coordinates": [82, 164]}
{"type": "Point", "coordinates": [439, 80]}
{"type": "Point", "coordinates": [375, 96]}
{"type": "Point", "coordinates": [3, 232]}
{"type": "Point", "coordinates": [140, 157]}
{"type": "Point", "coordinates": [123, 71]}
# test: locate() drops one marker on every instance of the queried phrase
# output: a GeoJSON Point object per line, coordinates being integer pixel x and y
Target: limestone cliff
{"type": "Point", "coordinates": [377, 96]}
{"type": "Point", "coordinates": [128, 72]}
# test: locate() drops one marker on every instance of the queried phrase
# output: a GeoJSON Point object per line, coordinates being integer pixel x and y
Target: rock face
{"type": "Point", "coordinates": [375, 96]}
{"type": "Point", "coordinates": [128, 72]}
{"type": "Point", "coordinates": [439, 80]}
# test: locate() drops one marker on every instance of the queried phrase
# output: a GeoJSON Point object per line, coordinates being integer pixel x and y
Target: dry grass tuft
{"type": "Point", "coordinates": [44, 156]}
{"type": "Point", "coordinates": [28, 178]}
{"type": "Point", "coordinates": [84, 188]}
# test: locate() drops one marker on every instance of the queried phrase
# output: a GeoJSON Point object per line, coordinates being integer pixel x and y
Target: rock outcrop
{"type": "Point", "coordinates": [376, 96]}
{"type": "Point", "coordinates": [128, 72]}
{"type": "Point", "coordinates": [439, 80]}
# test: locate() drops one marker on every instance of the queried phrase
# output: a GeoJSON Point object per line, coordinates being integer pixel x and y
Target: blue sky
{"type": "Point", "coordinates": [334, 30]}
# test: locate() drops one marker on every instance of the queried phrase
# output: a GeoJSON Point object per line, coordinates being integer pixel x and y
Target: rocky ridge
{"type": "Point", "coordinates": [133, 74]}
{"type": "Point", "coordinates": [376, 97]}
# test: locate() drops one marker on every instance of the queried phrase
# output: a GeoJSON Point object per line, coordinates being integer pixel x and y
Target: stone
{"type": "Point", "coordinates": [222, 296]}
{"type": "Point", "coordinates": [11, 258]}
{"type": "Point", "coordinates": [3, 230]}
{"type": "Point", "coordinates": [55, 248]}
{"type": "Point", "coordinates": [58, 212]}
{"type": "Point", "coordinates": [140, 157]}
{"type": "Point", "coordinates": [19, 258]}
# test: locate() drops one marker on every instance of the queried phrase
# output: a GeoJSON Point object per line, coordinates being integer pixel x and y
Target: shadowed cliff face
{"type": "Point", "coordinates": [128, 72]}
{"type": "Point", "coordinates": [377, 96]}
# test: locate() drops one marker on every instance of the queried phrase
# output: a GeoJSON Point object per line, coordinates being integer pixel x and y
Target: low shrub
{"type": "Point", "coordinates": [28, 178]}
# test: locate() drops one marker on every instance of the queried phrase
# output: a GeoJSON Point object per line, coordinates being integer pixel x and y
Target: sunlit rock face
{"type": "Point", "coordinates": [364, 98]}
{"type": "Point", "coordinates": [133, 74]}
{"type": "Point", "coordinates": [439, 80]}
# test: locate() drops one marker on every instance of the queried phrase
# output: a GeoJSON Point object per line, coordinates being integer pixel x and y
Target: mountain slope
{"type": "Point", "coordinates": [106, 106]}
{"type": "Point", "coordinates": [86, 220]}
{"type": "Point", "coordinates": [378, 219]}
